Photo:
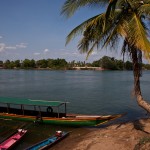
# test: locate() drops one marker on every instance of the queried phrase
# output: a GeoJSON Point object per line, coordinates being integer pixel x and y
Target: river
{"type": "Point", "coordinates": [88, 92]}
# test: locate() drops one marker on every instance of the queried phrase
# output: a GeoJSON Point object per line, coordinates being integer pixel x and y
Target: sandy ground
{"type": "Point", "coordinates": [123, 136]}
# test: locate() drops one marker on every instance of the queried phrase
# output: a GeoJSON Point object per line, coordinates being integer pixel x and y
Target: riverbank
{"type": "Point", "coordinates": [133, 135]}
{"type": "Point", "coordinates": [54, 69]}
{"type": "Point", "coordinates": [123, 136]}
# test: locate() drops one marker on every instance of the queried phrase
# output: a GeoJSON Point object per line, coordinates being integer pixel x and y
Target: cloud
{"type": "Point", "coordinates": [62, 50]}
{"type": "Point", "coordinates": [46, 50]}
{"type": "Point", "coordinates": [1, 37]}
{"type": "Point", "coordinates": [75, 53]}
{"type": "Point", "coordinates": [21, 45]}
{"type": "Point", "coordinates": [2, 47]}
{"type": "Point", "coordinates": [94, 53]}
{"type": "Point", "coordinates": [10, 47]}
{"type": "Point", "coordinates": [36, 54]}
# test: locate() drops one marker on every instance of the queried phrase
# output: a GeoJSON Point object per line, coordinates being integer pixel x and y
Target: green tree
{"type": "Point", "coordinates": [1, 63]}
{"type": "Point", "coordinates": [146, 66]}
{"type": "Point", "coordinates": [123, 21]}
{"type": "Point", "coordinates": [72, 63]}
{"type": "Point", "coordinates": [17, 63]}
{"type": "Point", "coordinates": [59, 64]}
{"type": "Point", "coordinates": [32, 63]}
{"type": "Point", "coordinates": [120, 64]}
{"type": "Point", "coordinates": [42, 63]}
{"type": "Point", "coordinates": [128, 65]}
{"type": "Point", "coordinates": [96, 63]}
{"type": "Point", "coordinates": [50, 63]}
{"type": "Point", "coordinates": [7, 64]}
{"type": "Point", "coordinates": [108, 63]}
{"type": "Point", "coordinates": [28, 64]}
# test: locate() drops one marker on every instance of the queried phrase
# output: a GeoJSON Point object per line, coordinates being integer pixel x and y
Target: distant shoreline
{"type": "Point", "coordinates": [73, 68]}
{"type": "Point", "coordinates": [89, 68]}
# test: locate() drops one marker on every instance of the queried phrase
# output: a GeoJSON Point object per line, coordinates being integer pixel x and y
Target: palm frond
{"type": "Point", "coordinates": [111, 8]}
{"type": "Point", "coordinates": [113, 30]}
{"type": "Point", "coordinates": [82, 27]}
{"type": "Point", "coordinates": [94, 35]}
{"type": "Point", "coordinates": [144, 9]}
{"type": "Point", "coordinates": [137, 35]}
{"type": "Point", "coordinates": [87, 46]}
{"type": "Point", "coordinates": [83, 45]}
{"type": "Point", "coordinates": [123, 19]}
{"type": "Point", "coordinates": [124, 48]}
{"type": "Point", "coordinates": [70, 6]}
{"type": "Point", "coordinates": [91, 50]}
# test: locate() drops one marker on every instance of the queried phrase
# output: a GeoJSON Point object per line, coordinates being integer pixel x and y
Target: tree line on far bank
{"type": "Point", "coordinates": [105, 62]}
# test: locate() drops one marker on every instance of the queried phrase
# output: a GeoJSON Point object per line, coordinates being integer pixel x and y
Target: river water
{"type": "Point", "coordinates": [89, 92]}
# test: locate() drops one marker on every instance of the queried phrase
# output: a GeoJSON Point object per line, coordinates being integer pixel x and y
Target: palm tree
{"type": "Point", "coordinates": [124, 22]}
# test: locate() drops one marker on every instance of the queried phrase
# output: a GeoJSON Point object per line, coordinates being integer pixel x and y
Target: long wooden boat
{"type": "Point", "coordinates": [12, 140]}
{"type": "Point", "coordinates": [47, 143]}
{"type": "Point", "coordinates": [47, 112]}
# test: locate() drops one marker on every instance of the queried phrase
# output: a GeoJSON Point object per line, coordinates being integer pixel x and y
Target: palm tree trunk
{"type": "Point", "coordinates": [137, 74]}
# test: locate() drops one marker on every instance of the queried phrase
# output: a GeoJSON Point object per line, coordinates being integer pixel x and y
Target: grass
{"type": "Point", "coordinates": [142, 142]}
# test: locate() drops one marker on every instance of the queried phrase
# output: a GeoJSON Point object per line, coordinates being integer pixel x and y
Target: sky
{"type": "Point", "coordinates": [35, 29]}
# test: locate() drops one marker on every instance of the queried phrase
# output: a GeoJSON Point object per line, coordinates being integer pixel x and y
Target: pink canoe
{"type": "Point", "coordinates": [12, 140]}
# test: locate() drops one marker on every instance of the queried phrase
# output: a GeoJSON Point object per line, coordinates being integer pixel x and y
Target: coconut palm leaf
{"type": "Point", "coordinates": [95, 36]}
{"type": "Point", "coordinates": [94, 21]}
{"type": "Point", "coordinates": [111, 8]}
{"type": "Point", "coordinates": [113, 31]}
{"type": "Point", "coordinates": [144, 9]}
{"type": "Point", "coordinates": [131, 27]}
{"type": "Point", "coordinates": [128, 24]}
{"type": "Point", "coordinates": [137, 35]}
{"type": "Point", "coordinates": [125, 48]}
{"type": "Point", "coordinates": [92, 34]}
{"type": "Point", "coordinates": [70, 6]}
{"type": "Point", "coordinates": [87, 45]}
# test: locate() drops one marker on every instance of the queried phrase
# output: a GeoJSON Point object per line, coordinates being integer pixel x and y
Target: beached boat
{"type": "Point", "coordinates": [47, 112]}
{"type": "Point", "coordinates": [12, 140]}
{"type": "Point", "coordinates": [47, 143]}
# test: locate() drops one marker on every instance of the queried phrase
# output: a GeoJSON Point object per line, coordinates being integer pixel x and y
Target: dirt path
{"type": "Point", "coordinates": [126, 136]}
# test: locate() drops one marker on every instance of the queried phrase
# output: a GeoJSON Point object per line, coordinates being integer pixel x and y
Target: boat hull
{"type": "Point", "coordinates": [47, 143]}
{"type": "Point", "coordinates": [66, 121]}
{"type": "Point", "coordinates": [12, 140]}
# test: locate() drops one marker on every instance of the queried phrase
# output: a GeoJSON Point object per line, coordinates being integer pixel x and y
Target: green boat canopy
{"type": "Point", "coordinates": [21, 101]}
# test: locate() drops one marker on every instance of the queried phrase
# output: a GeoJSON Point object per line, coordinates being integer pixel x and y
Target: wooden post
{"type": "Point", "coordinates": [22, 107]}
{"type": "Point", "coordinates": [34, 107]}
{"type": "Point", "coordinates": [40, 111]}
{"type": "Point", "coordinates": [40, 114]}
{"type": "Point", "coordinates": [65, 110]}
{"type": "Point", "coordinates": [58, 111]}
{"type": "Point", "coordinates": [8, 105]}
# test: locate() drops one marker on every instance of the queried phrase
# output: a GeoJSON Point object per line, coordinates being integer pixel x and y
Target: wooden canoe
{"type": "Point", "coordinates": [12, 140]}
{"type": "Point", "coordinates": [74, 121]}
{"type": "Point", "coordinates": [47, 143]}
{"type": "Point", "coordinates": [43, 111]}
